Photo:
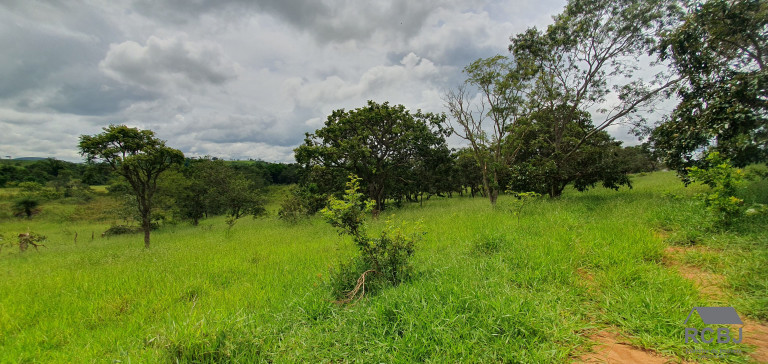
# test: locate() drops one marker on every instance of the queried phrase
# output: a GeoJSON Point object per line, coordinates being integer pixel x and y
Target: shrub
{"type": "Point", "coordinates": [521, 200]}
{"type": "Point", "coordinates": [384, 260]}
{"type": "Point", "coordinates": [293, 207]}
{"type": "Point", "coordinates": [121, 230]}
{"type": "Point", "coordinates": [27, 239]}
{"type": "Point", "coordinates": [724, 180]}
{"type": "Point", "coordinates": [26, 205]}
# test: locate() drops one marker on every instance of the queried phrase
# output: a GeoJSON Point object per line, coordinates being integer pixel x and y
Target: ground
{"type": "Point", "coordinates": [601, 276]}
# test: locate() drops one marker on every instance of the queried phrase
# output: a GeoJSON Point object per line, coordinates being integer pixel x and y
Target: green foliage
{"type": "Point", "coordinates": [521, 199]}
{"type": "Point", "coordinates": [53, 172]}
{"type": "Point", "coordinates": [139, 157]}
{"type": "Point", "coordinates": [30, 187]}
{"type": "Point", "coordinates": [724, 181]}
{"type": "Point", "coordinates": [719, 47]}
{"type": "Point", "coordinates": [393, 151]}
{"type": "Point", "coordinates": [556, 148]}
{"type": "Point", "coordinates": [348, 214]}
{"type": "Point", "coordinates": [580, 62]}
{"type": "Point", "coordinates": [26, 205]}
{"type": "Point", "coordinates": [501, 85]}
{"type": "Point", "coordinates": [122, 230]}
{"type": "Point", "coordinates": [586, 261]}
{"type": "Point", "coordinates": [386, 256]}
{"type": "Point", "coordinates": [293, 207]}
{"type": "Point", "coordinates": [390, 253]}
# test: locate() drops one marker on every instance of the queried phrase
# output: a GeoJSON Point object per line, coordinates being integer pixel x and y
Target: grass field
{"type": "Point", "coordinates": [487, 287]}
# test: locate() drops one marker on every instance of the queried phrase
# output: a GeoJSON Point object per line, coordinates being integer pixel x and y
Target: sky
{"type": "Point", "coordinates": [235, 79]}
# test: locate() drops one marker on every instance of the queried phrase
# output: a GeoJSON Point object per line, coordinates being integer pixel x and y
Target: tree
{"type": "Point", "coordinates": [139, 157]}
{"type": "Point", "coordinates": [212, 187]}
{"type": "Point", "coordinates": [467, 172]}
{"type": "Point", "coordinates": [721, 50]}
{"type": "Point", "coordinates": [502, 86]}
{"type": "Point", "coordinates": [545, 165]}
{"type": "Point", "coordinates": [638, 158]}
{"type": "Point", "coordinates": [581, 62]}
{"type": "Point", "coordinates": [379, 143]}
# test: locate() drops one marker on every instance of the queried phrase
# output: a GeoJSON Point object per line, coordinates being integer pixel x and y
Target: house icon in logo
{"type": "Point", "coordinates": [716, 315]}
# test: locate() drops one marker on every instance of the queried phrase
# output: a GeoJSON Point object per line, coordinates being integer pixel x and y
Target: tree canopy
{"type": "Point", "coordinates": [721, 49]}
{"type": "Point", "coordinates": [380, 143]}
{"type": "Point", "coordinates": [139, 157]}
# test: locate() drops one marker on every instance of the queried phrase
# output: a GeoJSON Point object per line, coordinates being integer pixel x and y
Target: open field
{"type": "Point", "coordinates": [488, 288]}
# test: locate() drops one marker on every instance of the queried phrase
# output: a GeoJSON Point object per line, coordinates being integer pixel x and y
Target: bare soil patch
{"type": "Point", "coordinates": [756, 333]}
{"type": "Point", "coordinates": [710, 284]}
{"type": "Point", "coordinates": [612, 350]}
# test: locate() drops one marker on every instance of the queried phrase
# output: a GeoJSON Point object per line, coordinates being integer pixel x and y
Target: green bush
{"type": "Point", "coordinates": [293, 207]}
{"type": "Point", "coordinates": [121, 230]}
{"type": "Point", "coordinates": [724, 181]}
{"type": "Point", "coordinates": [384, 260]}
{"type": "Point", "coordinates": [26, 205]}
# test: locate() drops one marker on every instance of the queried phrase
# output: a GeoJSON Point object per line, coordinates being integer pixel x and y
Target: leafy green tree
{"type": "Point", "coordinates": [467, 171]}
{"type": "Point", "coordinates": [547, 161]}
{"type": "Point", "coordinates": [212, 187]}
{"type": "Point", "coordinates": [501, 86]}
{"type": "Point", "coordinates": [139, 157]}
{"type": "Point", "coordinates": [586, 66]}
{"type": "Point", "coordinates": [638, 158]}
{"type": "Point", "coordinates": [721, 49]}
{"type": "Point", "coordinates": [379, 143]}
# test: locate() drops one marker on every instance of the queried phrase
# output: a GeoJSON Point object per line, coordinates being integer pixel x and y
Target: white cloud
{"type": "Point", "coordinates": [174, 61]}
{"type": "Point", "coordinates": [233, 78]}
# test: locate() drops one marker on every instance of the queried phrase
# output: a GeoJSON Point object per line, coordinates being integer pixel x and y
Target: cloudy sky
{"type": "Point", "coordinates": [233, 78]}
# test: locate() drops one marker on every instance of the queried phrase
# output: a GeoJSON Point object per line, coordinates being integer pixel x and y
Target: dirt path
{"type": "Point", "coordinates": [611, 347]}
{"type": "Point", "coordinates": [710, 284]}
{"type": "Point", "coordinates": [614, 349]}
{"type": "Point", "coordinates": [611, 350]}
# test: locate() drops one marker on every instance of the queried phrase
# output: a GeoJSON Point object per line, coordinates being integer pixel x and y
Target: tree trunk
{"type": "Point", "coordinates": [147, 227]}
{"type": "Point", "coordinates": [556, 189]}
{"type": "Point", "coordinates": [487, 187]}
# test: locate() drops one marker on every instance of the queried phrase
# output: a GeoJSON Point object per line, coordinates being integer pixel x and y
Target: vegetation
{"type": "Point", "coordinates": [384, 145]}
{"type": "Point", "coordinates": [501, 85]}
{"type": "Point", "coordinates": [719, 48]}
{"type": "Point", "coordinates": [137, 156]}
{"type": "Point", "coordinates": [484, 287]}
{"type": "Point", "coordinates": [468, 283]}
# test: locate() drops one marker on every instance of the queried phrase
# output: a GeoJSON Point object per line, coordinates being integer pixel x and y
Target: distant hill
{"type": "Point", "coordinates": [28, 159]}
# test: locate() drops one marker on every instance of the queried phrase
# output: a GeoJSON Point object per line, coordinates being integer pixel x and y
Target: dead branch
{"type": "Point", "coordinates": [359, 288]}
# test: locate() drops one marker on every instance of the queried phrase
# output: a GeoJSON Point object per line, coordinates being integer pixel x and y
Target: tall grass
{"type": "Point", "coordinates": [487, 288]}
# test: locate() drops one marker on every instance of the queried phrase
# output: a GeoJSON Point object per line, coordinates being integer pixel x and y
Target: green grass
{"type": "Point", "coordinates": [486, 288]}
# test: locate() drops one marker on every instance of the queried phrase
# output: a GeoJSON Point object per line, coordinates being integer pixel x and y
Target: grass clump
{"type": "Point", "coordinates": [488, 244]}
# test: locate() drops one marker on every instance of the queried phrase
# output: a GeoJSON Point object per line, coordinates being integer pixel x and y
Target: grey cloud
{"type": "Point", "coordinates": [259, 128]}
{"type": "Point", "coordinates": [231, 78]}
{"type": "Point", "coordinates": [162, 61]}
{"type": "Point", "coordinates": [328, 21]}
